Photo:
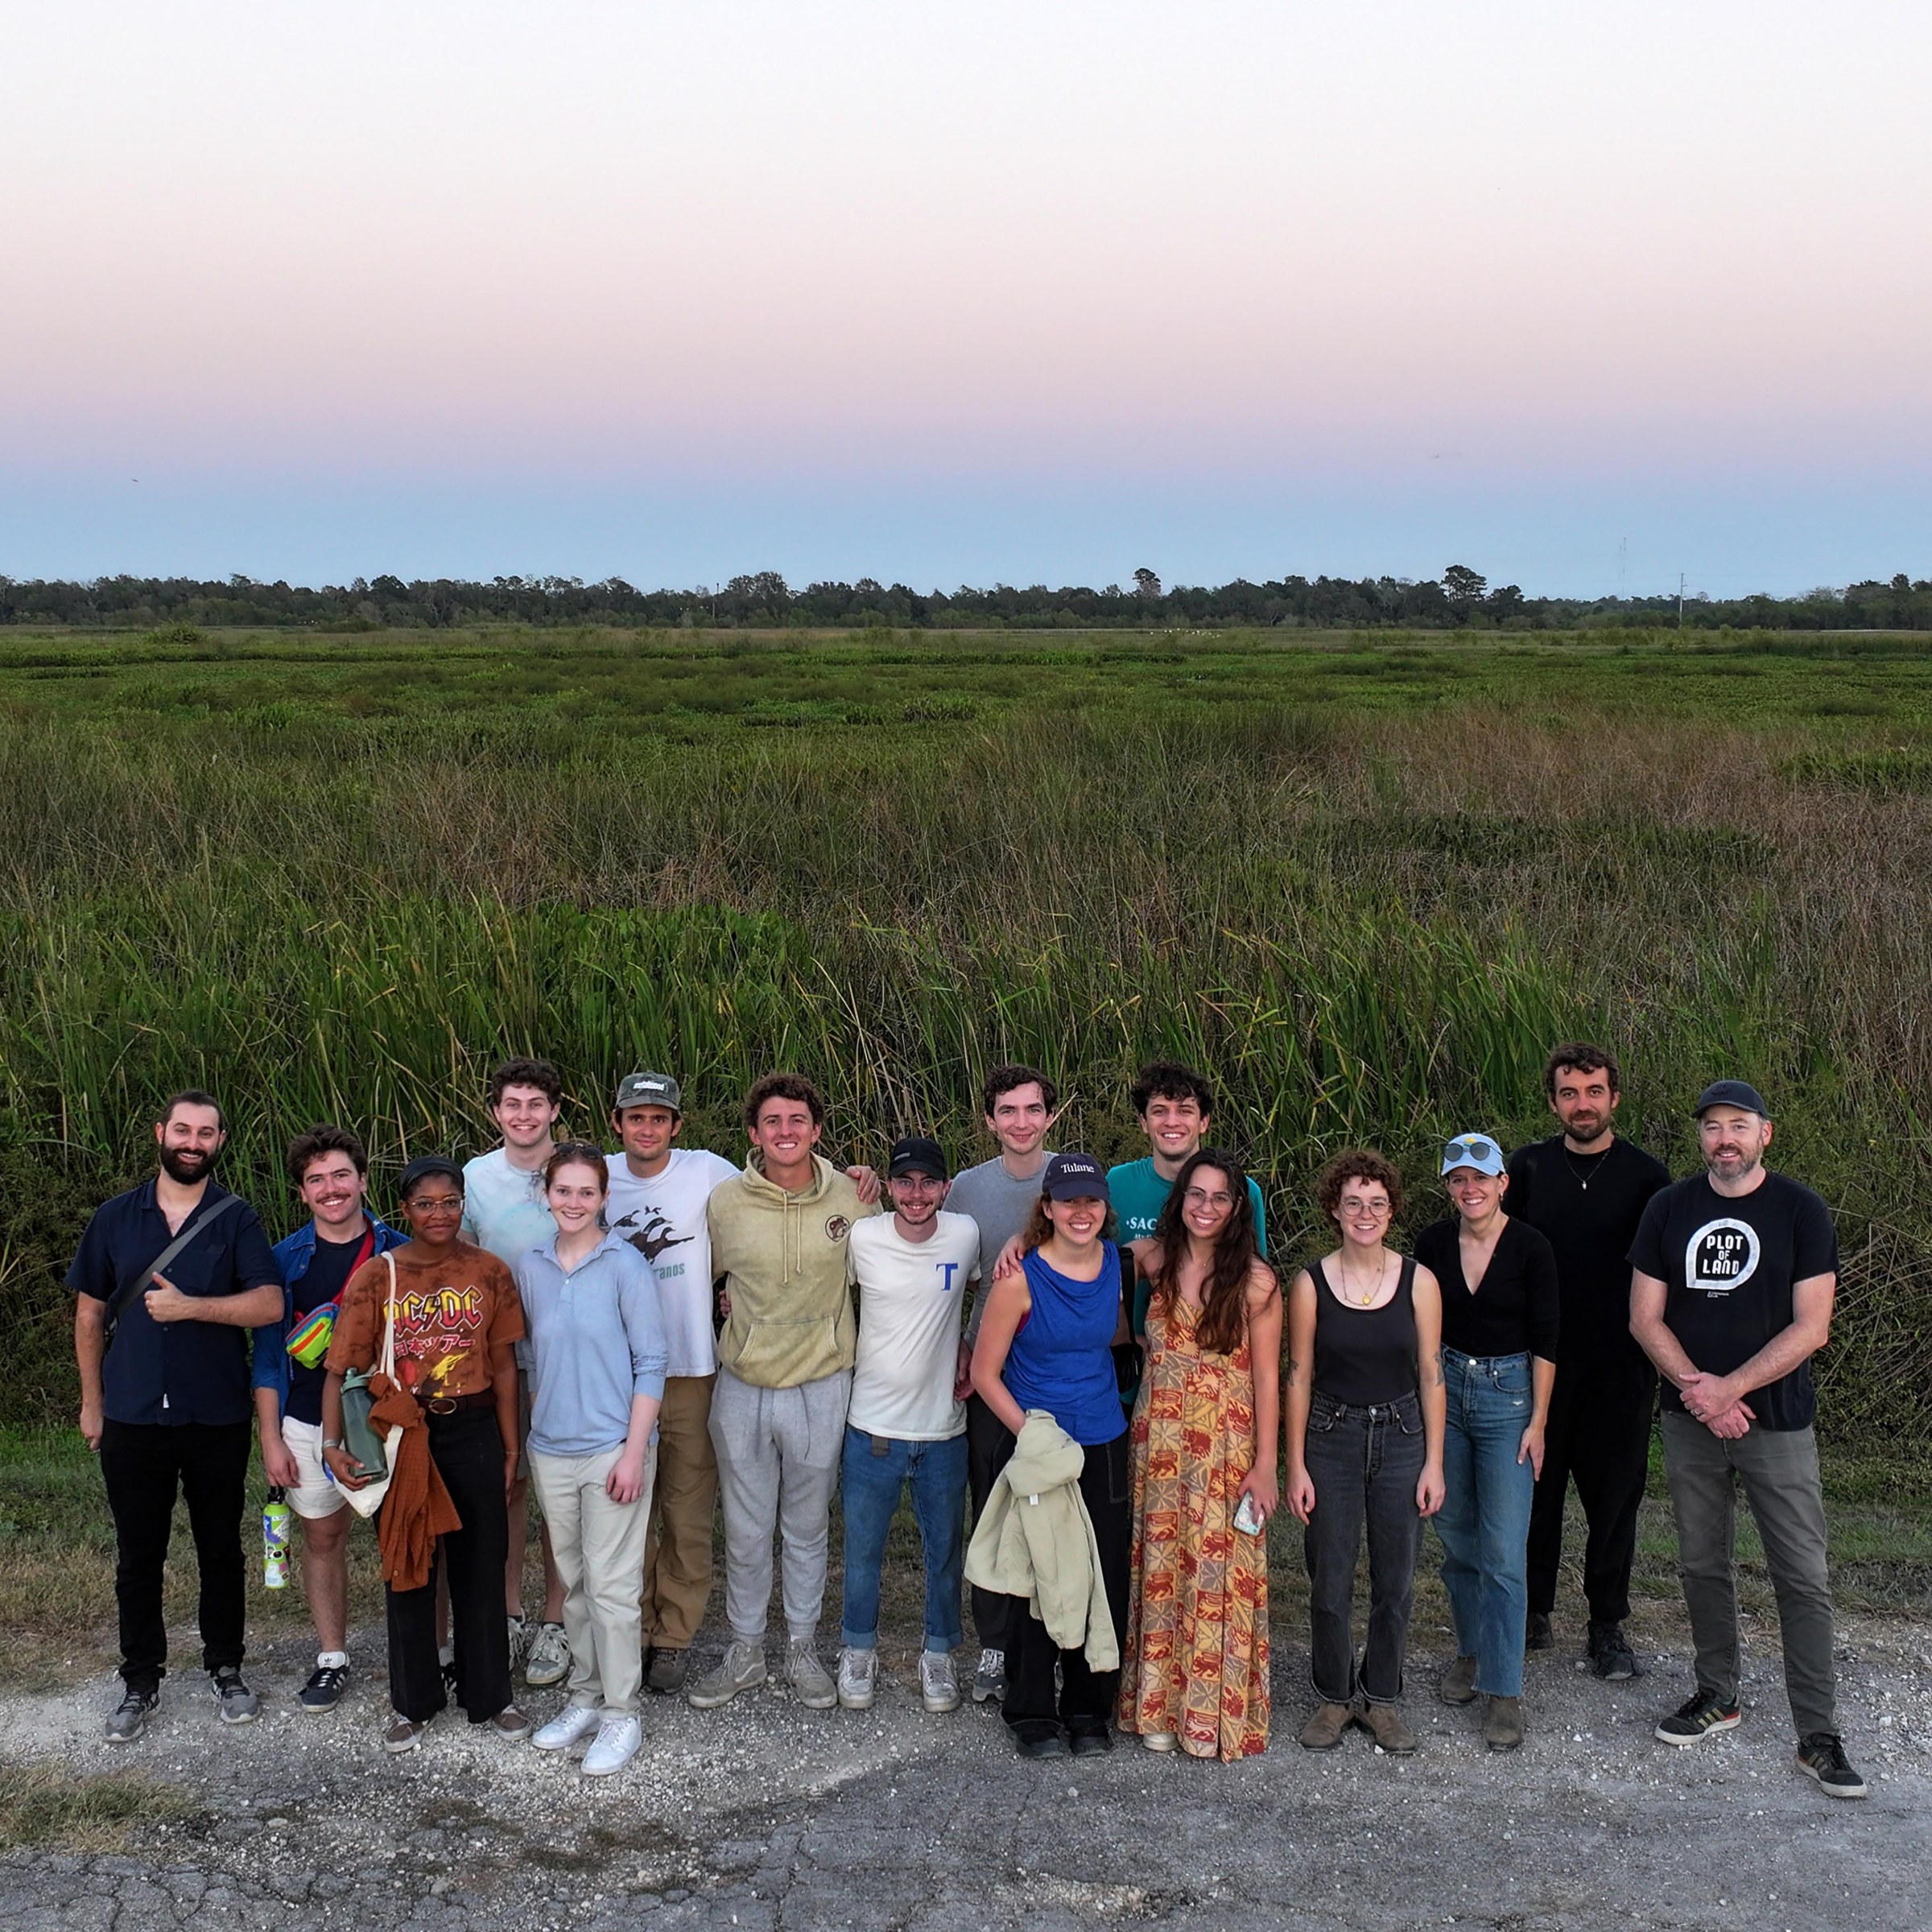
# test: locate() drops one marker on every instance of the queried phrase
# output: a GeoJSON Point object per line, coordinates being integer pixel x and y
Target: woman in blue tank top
{"type": "Point", "coordinates": [1045, 1342]}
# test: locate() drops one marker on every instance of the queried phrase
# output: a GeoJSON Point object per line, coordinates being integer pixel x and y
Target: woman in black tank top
{"type": "Point", "coordinates": [1364, 1408]}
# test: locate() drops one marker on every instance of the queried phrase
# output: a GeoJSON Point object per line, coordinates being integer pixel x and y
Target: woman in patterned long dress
{"type": "Point", "coordinates": [1195, 1670]}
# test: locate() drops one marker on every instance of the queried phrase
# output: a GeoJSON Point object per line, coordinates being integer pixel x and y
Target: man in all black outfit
{"type": "Point", "coordinates": [165, 1400]}
{"type": "Point", "coordinates": [1585, 1191]}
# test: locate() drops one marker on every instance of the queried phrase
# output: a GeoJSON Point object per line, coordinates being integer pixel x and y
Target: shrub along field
{"type": "Point", "coordinates": [1365, 882]}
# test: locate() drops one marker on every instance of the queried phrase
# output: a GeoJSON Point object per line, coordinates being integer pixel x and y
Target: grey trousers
{"type": "Point", "coordinates": [1779, 1469]}
{"type": "Point", "coordinates": [778, 1451]}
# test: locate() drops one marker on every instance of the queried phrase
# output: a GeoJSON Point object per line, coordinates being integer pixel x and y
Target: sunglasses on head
{"type": "Point", "coordinates": [1472, 1147]}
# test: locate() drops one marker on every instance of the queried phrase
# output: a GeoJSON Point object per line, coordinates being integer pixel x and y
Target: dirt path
{"type": "Point", "coordinates": [767, 1815]}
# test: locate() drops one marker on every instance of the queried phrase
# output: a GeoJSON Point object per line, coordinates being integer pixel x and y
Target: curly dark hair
{"type": "Point", "coordinates": [1580, 1056]}
{"type": "Point", "coordinates": [784, 1087]}
{"type": "Point", "coordinates": [1357, 1164]}
{"type": "Point", "coordinates": [1224, 1299]}
{"type": "Point", "coordinates": [321, 1139]}
{"type": "Point", "coordinates": [538, 1074]}
{"type": "Point", "coordinates": [1169, 1080]}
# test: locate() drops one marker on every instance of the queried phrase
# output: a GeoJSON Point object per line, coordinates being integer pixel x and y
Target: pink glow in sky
{"type": "Point", "coordinates": [1298, 242]}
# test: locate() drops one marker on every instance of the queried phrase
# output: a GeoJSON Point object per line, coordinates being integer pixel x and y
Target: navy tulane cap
{"type": "Point", "coordinates": [649, 1090]}
{"type": "Point", "coordinates": [1731, 1093]}
{"type": "Point", "coordinates": [916, 1154]}
{"type": "Point", "coordinates": [1075, 1177]}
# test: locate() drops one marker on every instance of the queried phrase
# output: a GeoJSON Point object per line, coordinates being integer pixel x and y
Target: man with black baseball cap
{"type": "Point", "coordinates": [907, 1422]}
{"type": "Point", "coordinates": [1734, 1273]}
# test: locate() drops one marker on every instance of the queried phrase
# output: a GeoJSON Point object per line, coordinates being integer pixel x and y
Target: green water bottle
{"type": "Point", "coordinates": [274, 1541]}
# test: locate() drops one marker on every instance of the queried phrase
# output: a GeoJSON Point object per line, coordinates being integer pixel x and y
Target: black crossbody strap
{"type": "Point", "coordinates": [162, 1262]}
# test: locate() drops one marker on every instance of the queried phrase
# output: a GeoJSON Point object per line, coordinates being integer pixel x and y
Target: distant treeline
{"type": "Point", "coordinates": [1461, 596]}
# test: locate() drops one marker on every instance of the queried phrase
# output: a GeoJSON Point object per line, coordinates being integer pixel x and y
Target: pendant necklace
{"type": "Point", "coordinates": [1368, 1300]}
{"type": "Point", "coordinates": [1583, 1178]}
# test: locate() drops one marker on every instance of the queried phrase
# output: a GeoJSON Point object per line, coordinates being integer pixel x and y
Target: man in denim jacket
{"type": "Point", "coordinates": [331, 1172]}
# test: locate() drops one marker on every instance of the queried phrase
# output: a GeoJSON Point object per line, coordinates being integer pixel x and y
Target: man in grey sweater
{"type": "Point", "coordinates": [1022, 1105]}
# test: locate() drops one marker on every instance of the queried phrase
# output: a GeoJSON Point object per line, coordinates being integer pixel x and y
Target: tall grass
{"type": "Point", "coordinates": [1369, 925]}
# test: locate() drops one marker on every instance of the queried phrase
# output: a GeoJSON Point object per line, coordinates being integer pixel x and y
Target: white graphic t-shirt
{"type": "Point", "coordinates": [663, 1219]}
{"type": "Point", "coordinates": [911, 1296]}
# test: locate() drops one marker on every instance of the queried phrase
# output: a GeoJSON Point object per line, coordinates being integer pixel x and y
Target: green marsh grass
{"type": "Point", "coordinates": [1365, 884]}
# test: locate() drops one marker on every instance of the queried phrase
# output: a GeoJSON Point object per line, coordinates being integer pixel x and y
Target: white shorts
{"type": "Point", "coordinates": [314, 1495]}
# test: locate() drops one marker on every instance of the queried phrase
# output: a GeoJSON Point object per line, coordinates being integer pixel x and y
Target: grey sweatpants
{"type": "Point", "coordinates": [778, 1452]}
{"type": "Point", "coordinates": [1779, 1470]}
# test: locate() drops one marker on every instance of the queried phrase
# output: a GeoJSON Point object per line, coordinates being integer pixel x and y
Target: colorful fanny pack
{"type": "Point", "coordinates": [309, 1343]}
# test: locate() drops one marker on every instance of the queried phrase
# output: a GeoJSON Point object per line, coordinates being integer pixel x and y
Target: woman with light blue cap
{"type": "Point", "coordinates": [1498, 1279]}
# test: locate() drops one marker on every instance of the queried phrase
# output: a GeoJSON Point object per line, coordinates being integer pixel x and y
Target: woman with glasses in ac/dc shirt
{"type": "Point", "coordinates": [1498, 1280]}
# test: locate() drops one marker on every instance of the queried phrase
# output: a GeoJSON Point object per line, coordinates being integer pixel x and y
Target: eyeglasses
{"type": "Point", "coordinates": [1471, 1147]}
{"type": "Point", "coordinates": [1196, 1197]}
{"type": "Point", "coordinates": [442, 1203]}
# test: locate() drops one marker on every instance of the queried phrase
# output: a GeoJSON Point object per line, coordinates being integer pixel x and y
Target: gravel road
{"type": "Point", "coordinates": [767, 1815]}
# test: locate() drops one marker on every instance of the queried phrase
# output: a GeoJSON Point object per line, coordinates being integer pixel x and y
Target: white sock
{"type": "Point", "coordinates": [332, 1660]}
{"type": "Point", "coordinates": [447, 1655]}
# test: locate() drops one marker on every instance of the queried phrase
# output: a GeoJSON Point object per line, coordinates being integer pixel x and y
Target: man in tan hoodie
{"type": "Point", "coordinates": [778, 1416]}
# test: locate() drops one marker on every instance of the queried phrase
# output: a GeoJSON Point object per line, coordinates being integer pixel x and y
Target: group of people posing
{"type": "Point", "coordinates": [1103, 1359]}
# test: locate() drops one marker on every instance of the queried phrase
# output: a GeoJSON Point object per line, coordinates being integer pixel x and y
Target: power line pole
{"type": "Point", "coordinates": [1680, 600]}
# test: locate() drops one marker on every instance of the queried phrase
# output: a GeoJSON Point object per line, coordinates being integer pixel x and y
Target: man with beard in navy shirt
{"type": "Point", "coordinates": [1734, 1273]}
{"type": "Point", "coordinates": [165, 1397]}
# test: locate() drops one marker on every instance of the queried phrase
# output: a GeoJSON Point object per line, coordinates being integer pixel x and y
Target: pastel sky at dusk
{"type": "Point", "coordinates": [1584, 294]}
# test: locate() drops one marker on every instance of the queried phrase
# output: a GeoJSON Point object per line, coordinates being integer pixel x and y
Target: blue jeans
{"type": "Point", "coordinates": [877, 1468]}
{"type": "Point", "coordinates": [1484, 1519]}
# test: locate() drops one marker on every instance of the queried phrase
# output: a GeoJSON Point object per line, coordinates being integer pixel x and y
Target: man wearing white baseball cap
{"type": "Point", "coordinates": [1734, 1273]}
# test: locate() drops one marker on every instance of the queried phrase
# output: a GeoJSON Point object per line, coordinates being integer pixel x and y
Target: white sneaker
{"type": "Point", "coordinates": [614, 1746]}
{"type": "Point", "coordinates": [815, 1690]}
{"type": "Point", "coordinates": [573, 1723]}
{"type": "Point", "coordinates": [989, 1679]}
{"type": "Point", "coordinates": [741, 1668]}
{"type": "Point", "coordinates": [858, 1677]}
{"type": "Point", "coordinates": [938, 1686]}
{"type": "Point", "coordinates": [548, 1661]}
{"type": "Point", "coordinates": [1159, 1740]}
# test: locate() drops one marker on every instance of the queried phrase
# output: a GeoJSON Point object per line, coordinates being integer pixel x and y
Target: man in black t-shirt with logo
{"type": "Point", "coordinates": [1585, 1190]}
{"type": "Point", "coordinates": [1733, 1276]}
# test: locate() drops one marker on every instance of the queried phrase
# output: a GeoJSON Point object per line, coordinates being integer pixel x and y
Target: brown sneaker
{"type": "Point", "coordinates": [1323, 1730]}
{"type": "Point", "coordinates": [1458, 1685]}
{"type": "Point", "coordinates": [1384, 1724]}
{"type": "Point", "coordinates": [403, 1734]}
{"type": "Point", "coordinates": [1503, 1724]}
{"type": "Point", "coordinates": [510, 1724]}
{"type": "Point", "coordinates": [667, 1671]}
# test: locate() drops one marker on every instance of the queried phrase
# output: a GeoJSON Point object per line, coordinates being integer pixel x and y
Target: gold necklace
{"type": "Point", "coordinates": [1368, 1300]}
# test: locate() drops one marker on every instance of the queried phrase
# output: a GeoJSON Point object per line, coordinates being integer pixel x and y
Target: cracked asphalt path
{"type": "Point", "coordinates": [773, 1818]}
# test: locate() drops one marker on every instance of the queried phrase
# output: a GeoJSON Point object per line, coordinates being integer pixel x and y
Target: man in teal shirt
{"type": "Point", "coordinates": [1173, 1105]}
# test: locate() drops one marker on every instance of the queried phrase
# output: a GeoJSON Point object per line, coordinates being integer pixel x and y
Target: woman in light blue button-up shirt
{"type": "Point", "coordinates": [590, 1302]}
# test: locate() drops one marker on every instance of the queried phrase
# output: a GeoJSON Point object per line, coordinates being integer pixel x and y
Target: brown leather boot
{"type": "Point", "coordinates": [1503, 1724]}
{"type": "Point", "coordinates": [1458, 1685]}
{"type": "Point", "coordinates": [1384, 1724]}
{"type": "Point", "coordinates": [1323, 1730]}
